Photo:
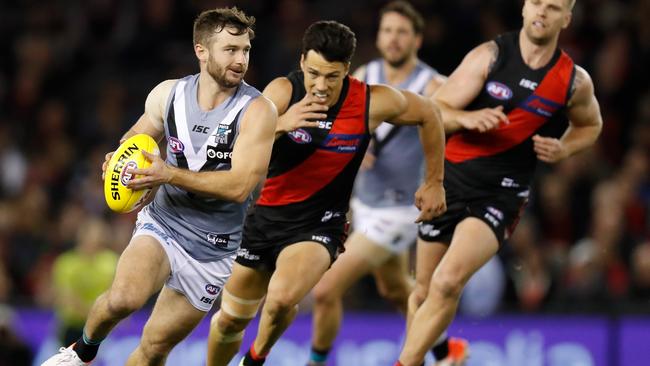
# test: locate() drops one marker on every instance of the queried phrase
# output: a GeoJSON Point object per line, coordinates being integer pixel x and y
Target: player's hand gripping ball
{"type": "Point", "coordinates": [128, 156]}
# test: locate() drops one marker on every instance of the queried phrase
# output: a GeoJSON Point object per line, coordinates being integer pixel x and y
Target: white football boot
{"type": "Point", "coordinates": [65, 357]}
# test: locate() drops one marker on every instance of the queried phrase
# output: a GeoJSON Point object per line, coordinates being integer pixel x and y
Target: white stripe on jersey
{"type": "Point", "coordinates": [417, 86]}
{"type": "Point", "coordinates": [421, 81]}
{"type": "Point", "coordinates": [373, 70]}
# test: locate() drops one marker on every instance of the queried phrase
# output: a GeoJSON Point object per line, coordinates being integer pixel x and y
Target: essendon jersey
{"type": "Point", "coordinates": [535, 102]}
{"type": "Point", "coordinates": [312, 170]}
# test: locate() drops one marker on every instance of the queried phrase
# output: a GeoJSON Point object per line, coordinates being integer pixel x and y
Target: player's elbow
{"type": "Point", "coordinates": [598, 127]}
{"type": "Point", "coordinates": [437, 114]}
{"type": "Point", "coordinates": [238, 198]}
{"type": "Point", "coordinates": [239, 194]}
{"type": "Point", "coordinates": [231, 190]}
{"type": "Point", "coordinates": [594, 130]}
{"type": "Point", "coordinates": [246, 183]}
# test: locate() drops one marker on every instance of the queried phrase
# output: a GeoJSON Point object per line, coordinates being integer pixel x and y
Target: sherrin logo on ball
{"type": "Point", "coordinates": [128, 156]}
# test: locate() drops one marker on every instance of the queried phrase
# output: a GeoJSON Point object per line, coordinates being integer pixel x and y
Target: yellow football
{"type": "Point", "coordinates": [118, 196]}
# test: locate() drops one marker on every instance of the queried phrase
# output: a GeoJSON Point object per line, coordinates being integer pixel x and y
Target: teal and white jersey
{"type": "Point", "coordinates": [207, 228]}
{"type": "Point", "coordinates": [398, 169]}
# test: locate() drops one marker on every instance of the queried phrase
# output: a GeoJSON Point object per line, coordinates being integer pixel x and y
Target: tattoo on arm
{"type": "Point", "coordinates": [494, 55]}
{"type": "Point", "coordinates": [578, 79]}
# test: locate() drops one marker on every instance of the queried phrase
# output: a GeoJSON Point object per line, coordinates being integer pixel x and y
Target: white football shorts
{"type": "Point", "coordinates": [392, 228]}
{"type": "Point", "coordinates": [200, 282]}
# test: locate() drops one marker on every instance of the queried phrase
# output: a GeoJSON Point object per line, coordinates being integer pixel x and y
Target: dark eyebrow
{"type": "Point", "coordinates": [333, 73]}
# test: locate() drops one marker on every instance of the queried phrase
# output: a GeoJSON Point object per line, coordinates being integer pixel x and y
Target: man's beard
{"type": "Point", "coordinates": [219, 75]}
{"type": "Point", "coordinates": [398, 63]}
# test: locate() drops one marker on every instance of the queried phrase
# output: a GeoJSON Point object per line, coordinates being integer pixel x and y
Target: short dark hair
{"type": "Point", "coordinates": [407, 10]}
{"type": "Point", "coordinates": [214, 21]}
{"type": "Point", "coordinates": [333, 40]}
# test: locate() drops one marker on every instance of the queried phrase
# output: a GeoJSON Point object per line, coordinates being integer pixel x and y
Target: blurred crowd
{"type": "Point", "coordinates": [74, 76]}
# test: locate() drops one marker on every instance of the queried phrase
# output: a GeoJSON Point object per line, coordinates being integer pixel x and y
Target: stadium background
{"type": "Point", "coordinates": [74, 76]}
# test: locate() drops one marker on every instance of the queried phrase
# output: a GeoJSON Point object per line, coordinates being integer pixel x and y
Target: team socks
{"type": "Point", "coordinates": [318, 357]}
{"type": "Point", "coordinates": [253, 359]}
{"type": "Point", "coordinates": [86, 348]}
{"type": "Point", "coordinates": [441, 350]}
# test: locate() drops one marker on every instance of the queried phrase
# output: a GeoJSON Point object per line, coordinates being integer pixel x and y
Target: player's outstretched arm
{"type": "Point", "coordinates": [402, 107]}
{"type": "Point", "coordinates": [463, 85]}
{"type": "Point", "coordinates": [585, 123]}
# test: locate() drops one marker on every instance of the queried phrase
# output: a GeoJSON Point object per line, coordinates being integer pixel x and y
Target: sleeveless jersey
{"type": "Point", "coordinates": [399, 165]}
{"type": "Point", "coordinates": [312, 170]}
{"type": "Point", "coordinates": [207, 228]}
{"type": "Point", "coordinates": [535, 102]}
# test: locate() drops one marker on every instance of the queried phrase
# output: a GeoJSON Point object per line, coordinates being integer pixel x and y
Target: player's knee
{"type": "Point", "coordinates": [447, 284]}
{"type": "Point", "coordinates": [122, 302]}
{"type": "Point", "coordinates": [227, 324]}
{"type": "Point", "coordinates": [280, 306]}
{"type": "Point", "coordinates": [323, 296]}
{"type": "Point", "coordinates": [227, 329]}
{"type": "Point", "coordinates": [418, 295]}
{"type": "Point", "coordinates": [155, 350]}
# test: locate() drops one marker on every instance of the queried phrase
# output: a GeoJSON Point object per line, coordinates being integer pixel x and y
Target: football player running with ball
{"type": "Point", "coordinates": [219, 133]}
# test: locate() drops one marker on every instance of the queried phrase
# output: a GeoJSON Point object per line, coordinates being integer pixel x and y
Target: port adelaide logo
{"type": "Point", "coordinates": [220, 149]}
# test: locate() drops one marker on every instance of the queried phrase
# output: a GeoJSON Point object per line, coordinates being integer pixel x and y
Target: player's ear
{"type": "Point", "coordinates": [201, 52]}
{"type": "Point", "coordinates": [347, 67]}
{"type": "Point", "coordinates": [418, 41]}
{"type": "Point", "coordinates": [302, 62]}
{"type": "Point", "coordinates": [567, 20]}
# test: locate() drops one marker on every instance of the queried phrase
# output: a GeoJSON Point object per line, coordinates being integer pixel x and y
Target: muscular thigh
{"type": "Point", "coordinates": [172, 319]}
{"type": "Point", "coordinates": [248, 283]}
{"type": "Point", "coordinates": [200, 282]}
{"type": "Point", "coordinates": [298, 269]}
{"type": "Point", "coordinates": [429, 255]}
{"type": "Point", "coordinates": [142, 268]}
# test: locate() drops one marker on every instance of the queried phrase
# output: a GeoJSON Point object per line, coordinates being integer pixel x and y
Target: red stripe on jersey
{"type": "Point", "coordinates": [548, 97]}
{"type": "Point", "coordinates": [326, 163]}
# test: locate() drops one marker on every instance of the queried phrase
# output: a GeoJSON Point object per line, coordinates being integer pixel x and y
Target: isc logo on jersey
{"type": "Point", "coordinates": [498, 90]}
{"type": "Point", "coordinates": [128, 156]}
{"type": "Point", "coordinates": [325, 125]}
